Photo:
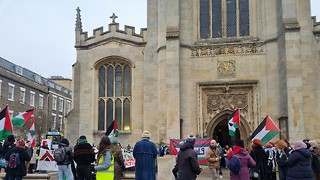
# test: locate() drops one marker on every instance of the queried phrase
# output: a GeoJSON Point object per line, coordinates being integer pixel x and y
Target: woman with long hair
{"type": "Point", "coordinates": [105, 161]}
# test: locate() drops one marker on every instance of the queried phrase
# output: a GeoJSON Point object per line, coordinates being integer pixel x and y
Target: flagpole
{"type": "Point", "coordinates": [285, 137]}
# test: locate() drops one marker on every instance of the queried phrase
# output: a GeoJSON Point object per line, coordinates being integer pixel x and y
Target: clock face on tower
{"type": "Point", "coordinates": [226, 69]}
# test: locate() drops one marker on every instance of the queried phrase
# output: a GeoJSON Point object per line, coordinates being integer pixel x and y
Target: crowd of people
{"type": "Point", "coordinates": [78, 163]}
{"type": "Point", "coordinates": [301, 160]}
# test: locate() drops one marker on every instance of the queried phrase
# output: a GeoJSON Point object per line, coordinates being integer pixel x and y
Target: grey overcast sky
{"type": "Point", "coordinates": [39, 34]}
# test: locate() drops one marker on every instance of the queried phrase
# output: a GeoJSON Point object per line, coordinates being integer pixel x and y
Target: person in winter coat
{"type": "Point", "coordinates": [64, 167]}
{"type": "Point", "coordinates": [83, 155]}
{"type": "Point", "coordinates": [299, 163]}
{"type": "Point", "coordinates": [119, 165]}
{"type": "Point", "coordinates": [19, 170]}
{"type": "Point", "coordinates": [145, 153]}
{"type": "Point", "coordinates": [246, 161]}
{"type": "Point", "coordinates": [8, 144]}
{"type": "Point", "coordinates": [188, 166]}
{"type": "Point", "coordinates": [315, 162]}
{"type": "Point", "coordinates": [271, 162]}
{"type": "Point", "coordinates": [105, 160]}
{"type": "Point", "coordinates": [283, 154]}
{"type": "Point", "coordinates": [260, 157]}
{"type": "Point", "coordinates": [213, 158]}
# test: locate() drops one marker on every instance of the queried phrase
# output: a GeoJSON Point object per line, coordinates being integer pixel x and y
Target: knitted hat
{"type": "Point", "coordinates": [257, 142]}
{"type": "Point", "coordinates": [65, 142]}
{"type": "Point", "coordinates": [239, 142]}
{"type": "Point", "coordinates": [113, 140]}
{"type": "Point", "coordinates": [82, 137]}
{"type": "Point", "coordinates": [313, 143]}
{"type": "Point", "coordinates": [20, 143]}
{"type": "Point", "coordinates": [146, 134]}
{"type": "Point", "coordinates": [191, 138]}
{"type": "Point", "coordinates": [299, 145]}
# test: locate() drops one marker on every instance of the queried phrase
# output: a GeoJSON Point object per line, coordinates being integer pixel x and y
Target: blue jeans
{"type": "Point", "coordinates": [65, 170]}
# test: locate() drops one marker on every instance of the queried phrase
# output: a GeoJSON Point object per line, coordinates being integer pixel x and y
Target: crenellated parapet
{"type": "Point", "coordinates": [113, 34]}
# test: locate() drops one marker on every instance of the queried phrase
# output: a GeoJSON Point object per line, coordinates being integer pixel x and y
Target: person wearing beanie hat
{"type": "Point", "coordinates": [283, 152]}
{"type": "Point", "coordinates": [64, 168]}
{"type": "Point", "coordinates": [145, 153]}
{"type": "Point", "coordinates": [260, 157]}
{"type": "Point", "coordinates": [299, 163]}
{"type": "Point", "coordinates": [271, 163]}
{"type": "Point", "coordinates": [8, 144]}
{"type": "Point", "coordinates": [188, 166]}
{"type": "Point", "coordinates": [83, 155]}
{"type": "Point", "coordinates": [17, 170]}
{"type": "Point", "coordinates": [119, 165]}
{"type": "Point", "coordinates": [315, 159]}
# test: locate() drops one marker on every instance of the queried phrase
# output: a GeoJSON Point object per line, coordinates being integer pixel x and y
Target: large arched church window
{"type": "Point", "coordinates": [114, 101]}
{"type": "Point", "coordinates": [224, 18]}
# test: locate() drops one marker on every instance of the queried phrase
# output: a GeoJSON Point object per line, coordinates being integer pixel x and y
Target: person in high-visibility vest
{"type": "Point", "coordinates": [105, 160]}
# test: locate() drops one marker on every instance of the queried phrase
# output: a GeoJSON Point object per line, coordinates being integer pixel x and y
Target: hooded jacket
{"type": "Point", "coordinates": [246, 161]}
{"type": "Point", "coordinates": [299, 165]}
{"type": "Point", "coordinates": [188, 162]}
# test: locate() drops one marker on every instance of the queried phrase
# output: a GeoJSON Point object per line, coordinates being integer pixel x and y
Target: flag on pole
{"type": "Point", "coordinates": [31, 134]}
{"type": "Point", "coordinates": [266, 130]}
{"type": "Point", "coordinates": [234, 122]}
{"type": "Point", "coordinates": [112, 129]}
{"type": "Point", "coordinates": [5, 124]}
{"type": "Point", "coordinates": [22, 118]}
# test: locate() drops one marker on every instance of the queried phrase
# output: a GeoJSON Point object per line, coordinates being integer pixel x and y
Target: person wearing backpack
{"type": "Point", "coordinates": [16, 161]}
{"type": "Point", "coordinates": [63, 156]}
{"type": "Point", "coordinates": [213, 158]}
{"type": "Point", "coordinates": [246, 161]}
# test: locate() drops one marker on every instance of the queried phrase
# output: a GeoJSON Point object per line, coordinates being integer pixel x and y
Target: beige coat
{"type": "Point", "coordinates": [213, 158]}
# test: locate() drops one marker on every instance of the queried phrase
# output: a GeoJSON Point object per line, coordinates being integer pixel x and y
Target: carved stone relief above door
{"type": "Point", "coordinates": [217, 98]}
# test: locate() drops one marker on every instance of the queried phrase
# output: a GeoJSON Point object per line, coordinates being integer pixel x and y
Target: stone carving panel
{"type": "Point", "coordinates": [227, 49]}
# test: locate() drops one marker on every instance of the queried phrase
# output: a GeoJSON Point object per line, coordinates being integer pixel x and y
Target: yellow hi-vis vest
{"type": "Point", "coordinates": [107, 174]}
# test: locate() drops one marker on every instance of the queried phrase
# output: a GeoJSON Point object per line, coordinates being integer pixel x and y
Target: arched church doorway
{"type": "Point", "coordinates": [218, 129]}
{"type": "Point", "coordinates": [221, 133]}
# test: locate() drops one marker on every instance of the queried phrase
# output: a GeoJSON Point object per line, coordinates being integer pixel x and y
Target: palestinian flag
{"type": "Point", "coordinates": [5, 124]}
{"type": "Point", "coordinates": [234, 122]}
{"type": "Point", "coordinates": [112, 129]}
{"type": "Point", "coordinates": [31, 134]}
{"type": "Point", "coordinates": [22, 118]}
{"type": "Point", "coordinates": [266, 130]}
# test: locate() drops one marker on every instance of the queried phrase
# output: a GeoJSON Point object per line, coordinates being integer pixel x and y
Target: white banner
{"type": "Point", "coordinates": [46, 160]}
{"type": "Point", "coordinates": [129, 160]}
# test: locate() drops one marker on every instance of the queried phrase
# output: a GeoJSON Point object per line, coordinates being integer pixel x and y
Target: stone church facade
{"type": "Point", "coordinates": [198, 61]}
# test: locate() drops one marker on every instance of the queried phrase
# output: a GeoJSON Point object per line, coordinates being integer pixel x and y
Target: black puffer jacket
{"type": "Point", "coordinates": [299, 165]}
{"type": "Point", "coordinates": [188, 163]}
{"type": "Point", "coordinates": [83, 154]}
